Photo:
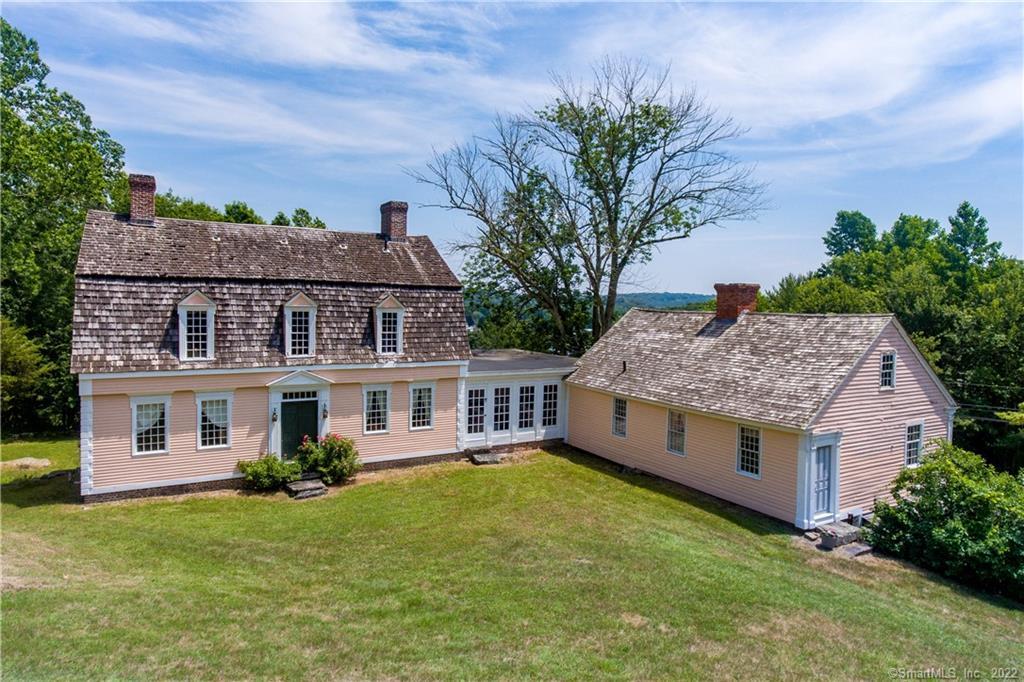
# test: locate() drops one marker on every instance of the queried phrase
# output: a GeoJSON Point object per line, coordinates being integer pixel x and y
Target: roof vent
{"type": "Point", "coordinates": [143, 199]}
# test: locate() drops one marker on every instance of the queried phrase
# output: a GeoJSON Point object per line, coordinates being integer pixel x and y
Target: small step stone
{"type": "Point", "coordinates": [485, 457]}
{"type": "Point", "coordinates": [303, 489]}
{"type": "Point", "coordinates": [838, 534]}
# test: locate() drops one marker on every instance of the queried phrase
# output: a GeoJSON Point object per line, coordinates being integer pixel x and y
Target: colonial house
{"type": "Point", "coordinates": [198, 344]}
{"type": "Point", "coordinates": [807, 418]}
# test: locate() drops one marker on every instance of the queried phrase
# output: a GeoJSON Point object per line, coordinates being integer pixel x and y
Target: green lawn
{"type": "Point", "coordinates": [552, 567]}
{"type": "Point", "coordinates": [62, 453]}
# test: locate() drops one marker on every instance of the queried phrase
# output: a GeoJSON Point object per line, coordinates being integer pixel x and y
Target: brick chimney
{"type": "Point", "coordinates": [143, 208]}
{"type": "Point", "coordinates": [393, 217]}
{"type": "Point", "coordinates": [734, 299]}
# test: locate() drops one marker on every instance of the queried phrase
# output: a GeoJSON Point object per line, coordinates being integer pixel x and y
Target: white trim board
{"type": "Point", "coordinates": [255, 370]}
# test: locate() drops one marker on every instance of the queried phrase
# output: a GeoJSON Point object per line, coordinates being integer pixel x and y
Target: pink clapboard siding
{"type": "Point", "coordinates": [873, 421]}
{"type": "Point", "coordinates": [347, 419]}
{"type": "Point", "coordinates": [114, 465]}
{"type": "Point", "coordinates": [710, 461]}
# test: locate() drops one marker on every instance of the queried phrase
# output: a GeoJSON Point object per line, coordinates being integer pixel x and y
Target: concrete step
{"type": "Point", "coordinates": [485, 457]}
{"type": "Point", "coordinates": [303, 489]}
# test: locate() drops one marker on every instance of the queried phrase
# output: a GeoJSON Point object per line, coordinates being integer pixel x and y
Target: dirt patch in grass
{"type": "Point", "coordinates": [29, 562]}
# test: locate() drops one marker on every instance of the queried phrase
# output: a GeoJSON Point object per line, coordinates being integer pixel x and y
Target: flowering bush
{"type": "Point", "coordinates": [332, 457]}
{"type": "Point", "coordinates": [957, 515]}
{"type": "Point", "coordinates": [269, 472]}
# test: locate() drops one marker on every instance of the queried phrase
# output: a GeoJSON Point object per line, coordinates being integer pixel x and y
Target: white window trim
{"type": "Point", "coordinates": [906, 441]}
{"type": "Point", "coordinates": [433, 401]}
{"type": "Point", "coordinates": [401, 329]}
{"type": "Point", "coordinates": [760, 451]}
{"type": "Point", "coordinates": [668, 430]}
{"type": "Point", "coordinates": [881, 362]}
{"type": "Point", "coordinates": [200, 397]}
{"type": "Point", "coordinates": [183, 329]}
{"type": "Point", "coordinates": [625, 432]}
{"type": "Point", "coordinates": [135, 401]}
{"type": "Point", "coordinates": [288, 330]}
{"type": "Point", "coordinates": [387, 410]}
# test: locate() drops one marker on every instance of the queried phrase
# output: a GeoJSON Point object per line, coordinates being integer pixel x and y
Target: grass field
{"type": "Point", "coordinates": [554, 566]}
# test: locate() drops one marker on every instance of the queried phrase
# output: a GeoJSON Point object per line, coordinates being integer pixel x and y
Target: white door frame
{"type": "Point", "coordinates": [807, 516]}
{"type": "Point", "coordinates": [296, 381]}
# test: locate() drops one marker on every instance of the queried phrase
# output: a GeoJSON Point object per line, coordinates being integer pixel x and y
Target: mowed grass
{"type": "Point", "coordinates": [62, 453]}
{"type": "Point", "coordinates": [553, 566]}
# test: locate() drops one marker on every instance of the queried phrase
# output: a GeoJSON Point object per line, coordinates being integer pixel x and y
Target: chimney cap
{"type": "Point", "coordinates": [140, 180]}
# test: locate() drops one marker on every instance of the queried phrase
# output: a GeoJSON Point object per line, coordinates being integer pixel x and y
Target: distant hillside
{"type": "Point", "coordinates": [663, 299]}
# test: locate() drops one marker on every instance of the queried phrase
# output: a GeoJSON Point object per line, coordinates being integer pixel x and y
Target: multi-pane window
{"type": "Point", "coordinates": [549, 405]}
{"type": "Point", "coordinates": [619, 417]}
{"type": "Point", "coordinates": [197, 334]}
{"type": "Point", "coordinates": [421, 414]}
{"type": "Point", "coordinates": [887, 374]}
{"type": "Point", "coordinates": [299, 334]}
{"type": "Point", "coordinates": [748, 451]}
{"type": "Point", "coordinates": [676, 441]}
{"type": "Point", "coordinates": [214, 422]}
{"type": "Point", "coordinates": [150, 422]}
{"type": "Point", "coordinates": [389, 331]}
{"type": "Point", "coordinates": [476, 410]}
{"type": "Point", "coordinates": [502, 400]}
{"type": "Point", "coordinates": [915, 435]}
{"type": "Point", "coordinates": [375, 410]}
{"type": "Point", "coordinates": [527, 396]}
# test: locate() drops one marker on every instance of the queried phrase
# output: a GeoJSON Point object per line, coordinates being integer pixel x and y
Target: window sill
{"type": "Point", "coordinates": [213, 447]}
{"type": "Point", "coordinates": [756, 477]}
{"type": "Point", "coordinates": [886, 389]}
{"type": "Point", "coordinates": [620, 436]}
{"type": "Point", "coordinates": [197, 359]}
{"type": "Point", "coordinates": [376, 433]}
{"type": "Point", "coordinates": [676, 454]}
{"type": "Point", "coordinates": [153, 453]}
{"type": "Point", "coordinates": [421, 428]}
{"type": "Point", "coordinates": [306, 356]}
{"type": "Point", "coordinates": [912, 466]}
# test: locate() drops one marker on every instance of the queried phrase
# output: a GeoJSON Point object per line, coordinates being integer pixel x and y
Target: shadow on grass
{"type": "Point", "coordinates": [748, 519]}
{"type": "Point", "coordinates": [36, 491]}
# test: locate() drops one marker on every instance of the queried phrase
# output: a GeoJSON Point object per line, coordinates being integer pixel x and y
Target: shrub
{"type": "Point", "coordinates": [958, 516]}
{"type": "Point", "coordinates": [269, 472]}
{"type": "Point", "coordinates": [332, 457]}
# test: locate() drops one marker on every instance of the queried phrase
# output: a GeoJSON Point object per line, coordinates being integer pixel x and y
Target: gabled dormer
{"type": "Point", "coordinates": [300, 326]}
{"type": "Point", "coordinates": [389, 324]}
{"type": "Point", "coordinates": [196, 327]}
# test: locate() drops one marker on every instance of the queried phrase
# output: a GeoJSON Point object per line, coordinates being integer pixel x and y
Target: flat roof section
{"type": "Point", "coordinates": [511, 360]}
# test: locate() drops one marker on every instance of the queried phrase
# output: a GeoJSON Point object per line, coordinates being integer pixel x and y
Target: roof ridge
{"type": "Point", "coordinates": [123, 217]}
{"type": "Point", "coordinates": [764, 313]}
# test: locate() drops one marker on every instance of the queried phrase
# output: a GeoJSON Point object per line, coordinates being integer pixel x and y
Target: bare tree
{"type": "Point", "coordinates": [569, 197]}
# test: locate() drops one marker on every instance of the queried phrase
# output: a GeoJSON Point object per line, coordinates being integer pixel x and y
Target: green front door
{"type": "Point", "coordinates": [298, 419]}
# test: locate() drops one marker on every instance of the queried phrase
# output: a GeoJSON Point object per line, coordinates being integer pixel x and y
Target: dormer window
{"type": "Point", "coordinates": [390, 323]}
{"type": "Point", "coordinates": [300, 326]}
{"type": "Point", "coordinates": [195, 327]}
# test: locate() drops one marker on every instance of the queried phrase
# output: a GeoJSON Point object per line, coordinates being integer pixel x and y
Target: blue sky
{"type": "Point", "coordinates": [878, 107]}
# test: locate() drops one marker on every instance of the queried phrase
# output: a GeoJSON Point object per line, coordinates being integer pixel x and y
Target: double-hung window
{"type": "Point", "coordinates": [196, 327]}
{"type": "Point", "coordinates": [676, 440]}
{"type": "Point", "coordinates": [300, 326]}
{"type": "Point", "coordinates": [376, 409]}
{"type": "Point", "coordinates": [619, 416]}
{"type": "Point", "coordinates": [151, 421]}
{"type": "Point", "coordinates": [913, 444]}
{"type": "Point", "coordinates": [390, 318]}
{"type": "Point", "coordinates": [748, 451]}
{"type": "Point", "coordinates": [213, 417]}
{"type": "Point", "coordinates": [549, 405]}
{"type": "Point", "coordinates": [421, 406]}
{"type": "Point", "coordinates": [887, 370]}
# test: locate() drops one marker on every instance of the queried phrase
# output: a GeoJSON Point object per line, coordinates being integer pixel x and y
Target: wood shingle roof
{"type": "Point", "coordinates": [764, 367]}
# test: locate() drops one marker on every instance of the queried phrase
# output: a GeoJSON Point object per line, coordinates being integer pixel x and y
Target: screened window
{"type": "Point", "coordinates": [619, 414]}
{"type": "Point", "coordinates": [389, 331]}
{"type": "Point", "coordinates": [527, 396]}
{"type": "Point", "coordinates": [299, 332]}
{"type": "Point", "coordinates": [421, 400]}
{"type": "Point", "coordinates": [375, 410]}
{"type": "Point", "coordinates": [748, 454]}
{"type": "Point", "coordinates": [887, 375]}
{"type": "Point", "coordinates": [150, 425]}
{"type": "Point", "coordinates": [502, 398]}
{"type": "Point", "coordinates": [549, 405]}
{"type": "Point", "coordinates": [197, 334]}
{"type": "Point", "coordinates": [214, 422]}
{"type": "Point", "coordinates": [476, 410]}
{"type": "Point", "coordinates": [676, 432]}
{"type": "Point", "coordinates": [915, 435]}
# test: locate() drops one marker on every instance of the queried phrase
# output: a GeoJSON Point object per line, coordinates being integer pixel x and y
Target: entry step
{"type": "Point", "coordinates": [303, 489]}
{"type": "Point", "coordinates": [838, 534]}
{"type": "Point", "coordinates": [485, 457]}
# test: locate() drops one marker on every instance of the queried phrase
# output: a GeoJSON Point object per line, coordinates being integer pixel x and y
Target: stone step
{"type": "Point", "coordinates": [303, 489]}
{"type": "Point", "coordinates": [838, 534]}
{"type": "Point", "coordinates": [485, 457]}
